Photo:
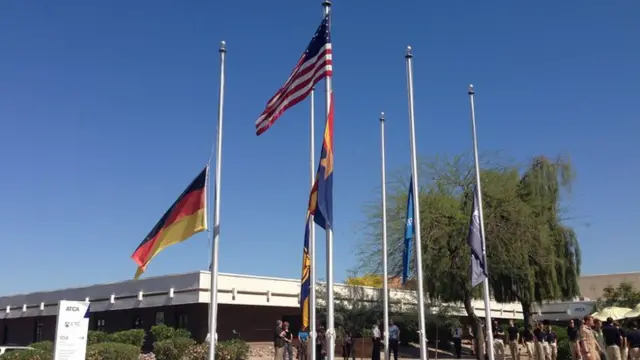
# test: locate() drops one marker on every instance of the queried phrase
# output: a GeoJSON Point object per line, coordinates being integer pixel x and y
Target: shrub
{"type": "Point", "coordinates": [46, 346]}
{"type": "Point", "coordinates": [172, 349]}
{"type": "Point", "coordinates": [36, 354]}
{"type": "Point", "coordinates": [164, 332]}
{"type": "Point", "coordinates": [97, 337]}
{"type": "Point", "coordinates": [112, 351]}
{"type": "Point", "coordinates": [564, 350]}
{"type": "Point", "coordinates": [130, 337]}
{"type": "Point", "coordinates": [225, 350]}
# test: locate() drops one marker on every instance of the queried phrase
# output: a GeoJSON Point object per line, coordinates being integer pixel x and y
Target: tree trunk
{"type": "Point", "coordinates": [526, 312]}
{"type": "Point", "coordinates": [477, 328]}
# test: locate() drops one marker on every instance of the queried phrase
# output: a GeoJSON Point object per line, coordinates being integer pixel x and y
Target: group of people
{"type": "Point", "coordinates": [283, 342]}
{"type": "Point", "coordinates": [593, 340]}
{"type": "Point", "coordinates": [590, 340]}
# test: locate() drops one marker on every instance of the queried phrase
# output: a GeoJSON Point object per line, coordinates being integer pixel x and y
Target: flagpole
{"type": "Point", "coordinates": [385, 271]}
{"type": "Point", "coordinates": [330, 331]}
{"type": "Point", "coordinates": [424, 353]}
{"type": "Point", "coordinates": [213, 320]}
{"type": "Point", "coordinates": [312, 231]}
{"type": "Point", "coordinates": [487, 298]}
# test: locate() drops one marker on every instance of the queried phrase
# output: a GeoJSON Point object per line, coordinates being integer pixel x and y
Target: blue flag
{"type": "Point", "coordinates": [475, 241]}
{"type": "Point", "coordinates": [409, 231]}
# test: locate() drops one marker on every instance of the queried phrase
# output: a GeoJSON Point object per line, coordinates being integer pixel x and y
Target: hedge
{"type": "Point", "coordinates": [112, 351]}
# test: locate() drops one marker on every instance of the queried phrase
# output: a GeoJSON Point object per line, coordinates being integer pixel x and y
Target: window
{"type": "Point", "coordinates": [160, 318]}
{"type": "Point", "coordinates": [37, 331]}
{"type": "Point", "coordinates": [138, 323]}
{"type": "Point", "coordinates": [100, 324]}
{"type": "Point", "coordinates": [182, 321]}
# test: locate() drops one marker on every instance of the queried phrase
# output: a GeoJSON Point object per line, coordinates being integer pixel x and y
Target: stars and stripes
{"type": "Point", "coordinates": [314, 65]}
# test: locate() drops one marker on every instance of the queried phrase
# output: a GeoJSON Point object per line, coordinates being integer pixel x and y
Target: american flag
{"type": "Point", "coordinates": [314, 64]}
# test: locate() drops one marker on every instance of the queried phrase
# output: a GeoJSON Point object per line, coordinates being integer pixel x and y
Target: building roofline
{"type": "Point", "coordinates": [614, 274]}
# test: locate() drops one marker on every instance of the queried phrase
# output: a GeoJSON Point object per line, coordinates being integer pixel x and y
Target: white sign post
{"type": "Point", "coordinates": [72, 327]}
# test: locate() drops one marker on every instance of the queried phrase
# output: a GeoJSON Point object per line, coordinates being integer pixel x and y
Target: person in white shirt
{"type": "Point", "coordinates": [376, 338]}
{"type": "Point", "coordinates": [457, 341]}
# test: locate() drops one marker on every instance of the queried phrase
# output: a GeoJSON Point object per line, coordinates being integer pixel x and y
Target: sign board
{"type": "Point", "coordinates": [72, 328]}
{"type": "Point", "coordinates": [579, 310]}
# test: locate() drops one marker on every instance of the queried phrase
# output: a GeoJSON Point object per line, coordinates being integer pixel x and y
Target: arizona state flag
{"type": "Point", "coordinates": [305, 281]}
{"type": "Point", "coordinates": [323, 212]}
{"type": "Point", "coordinates": [186, 217]}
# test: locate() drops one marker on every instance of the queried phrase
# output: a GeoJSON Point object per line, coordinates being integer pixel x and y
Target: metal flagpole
{"type": "Point", "coordinates": [487, 298]}
{"type": "Point", "coordinates": [424, 353]}
{"type": "Point", "coordinates": [330, 331]}
{"type": "Point", "coordinates": [213, 320]}
{"type": "Point", "coordinates": [385, 271]}
{"type": "Point", "coordinates": [312, 232]}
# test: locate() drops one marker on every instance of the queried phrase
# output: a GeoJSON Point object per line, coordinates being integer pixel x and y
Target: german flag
{"type": "Point", "coordinates": [186, 217]}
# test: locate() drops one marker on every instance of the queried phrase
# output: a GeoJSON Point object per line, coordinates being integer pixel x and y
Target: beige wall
{"type": "Point", "coordinates": [591, 286]}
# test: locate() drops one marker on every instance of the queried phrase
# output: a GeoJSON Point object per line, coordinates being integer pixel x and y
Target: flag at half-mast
{"type": "Point", "coordinates": [475, 240]}
{"type": "Point", "coordinates": [409, 232]}
{"type": "Point", "coordinates": [186, 217]}
{"type": "Point", "coordinates": [314, 65]}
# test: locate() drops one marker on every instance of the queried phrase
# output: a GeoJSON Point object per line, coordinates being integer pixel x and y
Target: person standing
{"type": "Point", "coordinates": [633, 341]}
{"type": "Point", "coordinates": [588, 343]}
{"type": "Point", "coordinates": [572, 334]}
{"type": "Point", "coordinates": [394, 339]}
{"type": "Point", "coordinates": [278, 341]}
{"type": "Point", "coordinates": [528, 340]}
{"type": "Point", "coordinates": [597, 332]}
{"type": "Point", "coordinates": [457, 341]}
{"type": "Point", "coordinates": [303, 338]}
{"type": "Point", "coordinates": [376, 338]}
{"type": "Point", "coordinates": [513, 339]}
{"type": "Point", "coordinates": [348, 346]}
{"type": "Point", "coordinates": [321, 342]}
{"type": "Point", "coordinates": [539, 338]}
{"type": "Point", "coordinates": [498, 341]}
{"type": "Point", "coordinates": [288, 342]}
{"type": "Point", "coordinates": [552, 343]}
{"type": "Point", "coordinates": [624, 348]}
{"type": "Point", "coordinates": [612, 340]}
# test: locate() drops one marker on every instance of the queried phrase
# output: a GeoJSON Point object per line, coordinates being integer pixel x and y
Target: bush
{"type": "Point", "coordinates": [564, 350]}
{"type": "Point", "coordinates": [164, 332]}
{"type": "Point", "coordinates": [133, 337]}
{"type": "Point", "coordinates": [172, 349]}
{"type": "Point", "coordinates": [36, 354]}
{"type": "Point", "coordinates": [97, 337]}
{"type": "Point", "coordinates": [46, 346]}
{"type": "Point", "coordinates": [225, 350]}
{"type": "Point", "coordinates": [112, 351]}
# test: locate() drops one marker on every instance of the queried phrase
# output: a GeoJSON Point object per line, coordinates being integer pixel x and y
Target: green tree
{"type": "Point", "coordinates": [624, 295]}
{"type": "Point", "coordinates": [548, 265]}
{"type": "Point", "coordinates": [526, 242]}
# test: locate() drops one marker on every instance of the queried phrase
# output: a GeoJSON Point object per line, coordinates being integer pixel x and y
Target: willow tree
{"type": "Point", "coordinates": [445, 209]}
{"type": "Point", "coordinates": [549, 264]}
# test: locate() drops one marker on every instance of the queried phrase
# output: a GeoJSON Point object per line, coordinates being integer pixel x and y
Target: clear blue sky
{"type": "Point", "coordinates": [108, 111]}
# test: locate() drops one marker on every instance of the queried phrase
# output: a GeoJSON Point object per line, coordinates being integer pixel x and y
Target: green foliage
{"type": "Point", "coordinates": [112, 351]}
{"type": "Point", "coordinates": [532, 255]}
{"type": "Point", "coordinates": [624, 295]}
{"type": "Point", "coordinates": [133, 337]}
{"type": "Point", "coordinates": [564, 350]}
{"type": "Point", "coordinates": [36, 354]}
{"type": "Point", "coordinates": [372, 280]}
{"type": "Point", "coordinates": [46, 346]}
{"type": "Point", "coordinates": [172, 348]}
{"type": "Point", "coordinates": [225, 350]}
{"type": "Point", "coordinates": [96, 337]}
{"type": "Point", "coordinates": [164, 332]}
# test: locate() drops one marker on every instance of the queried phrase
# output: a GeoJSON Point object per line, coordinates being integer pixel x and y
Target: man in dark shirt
{"type": "Point", "coordinates": [278, 341]}
{"type": "Point", "coordinates": [552, 342]}
{"type": "Point", "coordinates": [540, 339]}
{"type": "Point", "coordinates": [512, 333]}
{"type": "Point", "coordinates": [572, 333]}
{"type": "Point", "coordinates": [633, 341]}
{"type": "Point", "coordinates": [498, 340]}
{"type": "Point", "coordinates": [612, 340]}
{"type": "Point", "coordinates": [526, 337]}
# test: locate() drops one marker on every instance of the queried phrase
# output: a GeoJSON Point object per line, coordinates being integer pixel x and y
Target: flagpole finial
{"type": "Point", "coordinates": [223, 46]}
{"type": "Point", "coordinates": [326, 3]}
{"type": "Point", "coordinates": [471, 90]}
{"type": "Point", "coordinates": [382, 116]}
{"type": "Point", "coordinates": [409, 52]}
